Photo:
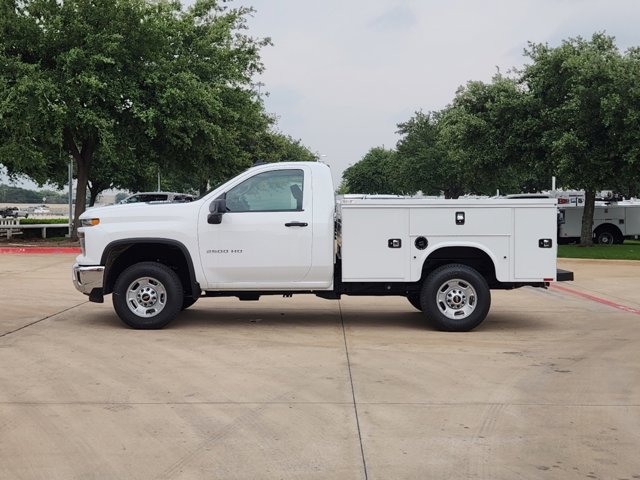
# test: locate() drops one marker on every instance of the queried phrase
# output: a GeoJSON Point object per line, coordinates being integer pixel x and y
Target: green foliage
{"type": "Point", "coordinates": [427, 164]}
{"type": "Point", "coordinates": [343, 188]}
{"type": "Point", "coordinates": [379, 172]}
{"type": "Point", "coordinates": [485, 132]}
{"type": "Point", "coordinates": [44, 221]}
{"type": "Point", "coordinates": [587, 101]}
{"type": "Point", "coordinates": [255, 146]}
{"type": "Point", "coordinates": [277, 147]}
{"type": "Point", "coordinates": [574, 112]}
{"type": "Point", "coordinates": [478, 144]}
{"type": "Point", "coordinates": [122, 85]}
{"type": "Point", "coordinates": [10, 194]}
{"type": "Point", "coordinates": [587, 105]}
{"type": "Point", "coordinates": [423, 158]}
{"type": "Point", "coordinates": [630, 250]}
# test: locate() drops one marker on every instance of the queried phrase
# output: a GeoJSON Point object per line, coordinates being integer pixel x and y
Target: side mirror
{"type": "Point", "coordinates": [217, 208]}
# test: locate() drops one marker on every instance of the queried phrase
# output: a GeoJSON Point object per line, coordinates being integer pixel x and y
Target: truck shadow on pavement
{"type": "Point", "coordinates": [204, 316]}
{"type": "Point", "coordinates": [295, 318]}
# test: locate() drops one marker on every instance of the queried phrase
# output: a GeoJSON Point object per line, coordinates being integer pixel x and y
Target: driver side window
{"type": "Point", "coordinates": [275, 191]}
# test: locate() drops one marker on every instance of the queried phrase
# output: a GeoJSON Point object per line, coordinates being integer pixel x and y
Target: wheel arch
{"type": "Point", "coordinates": [471, 255]}
{"type": "Point", "coordinates": [120, 254]}
{"type": "Point", "coordinates": [610, 227]}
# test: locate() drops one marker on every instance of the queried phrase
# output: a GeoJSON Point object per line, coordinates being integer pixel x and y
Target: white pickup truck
{"type": "Point", "coordinates": [277, 229]}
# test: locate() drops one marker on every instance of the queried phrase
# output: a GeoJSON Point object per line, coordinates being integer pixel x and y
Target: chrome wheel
{"type": "Point", "coordinates": [456, 299]}
{"type": "Point", "coordinates": [146, 297]}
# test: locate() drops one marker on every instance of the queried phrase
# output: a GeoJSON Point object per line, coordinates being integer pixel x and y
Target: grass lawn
{"type": "Point", "coordinates": [630, 250]}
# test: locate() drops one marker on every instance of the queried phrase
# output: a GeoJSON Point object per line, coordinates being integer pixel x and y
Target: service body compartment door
{"type": "Point", "coordinates": [632, 220]}
{"type": "Point", "coordinates": [535, 243]}
{"type": "Point", "coordinates": [375, 244]}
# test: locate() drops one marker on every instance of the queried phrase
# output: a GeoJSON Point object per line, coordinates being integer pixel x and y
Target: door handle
{"type": "Point", "coordinates": [296, 224]}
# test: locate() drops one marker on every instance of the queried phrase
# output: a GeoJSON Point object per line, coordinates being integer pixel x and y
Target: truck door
{"type": "Point", "coordinates": [265, 238]}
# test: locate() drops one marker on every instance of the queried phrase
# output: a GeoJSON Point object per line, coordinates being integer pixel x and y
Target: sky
{"type": "Point", "coordinates": [341, 74]}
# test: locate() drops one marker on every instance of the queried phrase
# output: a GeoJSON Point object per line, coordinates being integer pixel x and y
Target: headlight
{"type": "Point", "coordinates": [89, 222]}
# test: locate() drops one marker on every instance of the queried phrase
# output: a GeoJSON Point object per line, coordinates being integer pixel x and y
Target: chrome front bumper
{"type": "Point", "coordinates": [87, 279]}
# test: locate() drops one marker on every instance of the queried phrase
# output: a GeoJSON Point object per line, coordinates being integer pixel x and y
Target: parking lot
{"type": "Point", "coordinates": [547, 387]}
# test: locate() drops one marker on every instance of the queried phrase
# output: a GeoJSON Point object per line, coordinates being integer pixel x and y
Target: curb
{"type": "Point", "coordinates": [39, 250]}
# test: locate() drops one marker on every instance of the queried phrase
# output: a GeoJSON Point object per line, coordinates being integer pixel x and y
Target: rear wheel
{"type": "Point", "coordinates": [147, 295]}
{"type": "Point", "coordinates": [608, 235]}
{"type": "Point", "coordinates": [456, 298]}
{"type": "Point", "coordinates": [604, 236]}
{"type": "Point", "coordinates": [619, 238]}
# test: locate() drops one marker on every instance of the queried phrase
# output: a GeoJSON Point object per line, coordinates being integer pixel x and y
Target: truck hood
{"type": "Point", "coordinates": [142, 212]}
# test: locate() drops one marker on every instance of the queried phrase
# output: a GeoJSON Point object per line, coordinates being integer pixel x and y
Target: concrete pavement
{"type": "Point", "coordinates": [547, 387]}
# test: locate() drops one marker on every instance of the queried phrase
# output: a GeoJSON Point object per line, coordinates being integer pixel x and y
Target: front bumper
{"type": "Point", "coordinates": [88, 280]}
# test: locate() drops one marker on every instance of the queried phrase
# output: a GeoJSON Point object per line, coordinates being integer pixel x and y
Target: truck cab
{"type": "Point", "coordinates": [274, 230]}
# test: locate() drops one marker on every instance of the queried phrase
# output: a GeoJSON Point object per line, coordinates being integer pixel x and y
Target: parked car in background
{"type": "Point", "coordinates": [43, 209]}
{"type": "Point", "coordinates": [14, 212]}
{"type": "Point", "coordinates": [171, 197]}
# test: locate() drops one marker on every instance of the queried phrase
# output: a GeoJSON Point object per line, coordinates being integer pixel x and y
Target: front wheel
{"type": "Point", "coordinates": [147, 295]}
{"type": "Point", "coordinates": [188, 301]}
{"type": "Point", "coordinates": [414, 299]}
{"type": "Point", "coordinates": [456, 298]}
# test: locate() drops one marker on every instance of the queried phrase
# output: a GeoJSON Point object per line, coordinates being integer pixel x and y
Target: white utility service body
{"type": "Point", "coordinates": [508, 232]}
{"type": "Point", "coordinates": [277, 229]}
{"type": "Point", "coordinates": [612, 221]}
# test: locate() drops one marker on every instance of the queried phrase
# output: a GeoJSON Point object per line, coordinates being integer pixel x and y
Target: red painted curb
{"type": "Point", "coordinates": [39, 250]}
{"type": "Point", "coordinates": [609, 303]}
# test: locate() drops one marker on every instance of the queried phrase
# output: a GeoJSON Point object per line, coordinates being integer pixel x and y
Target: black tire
{"type": "Point", "coordinates": [414, 299]}
{"type": "Point", "coordinates": [188, 301]}
{"type": "Point", "coordinates": [607, 235]}
{"type": "Point", "coordinates": [619, 240]}
{"type": "Point", "coordinates": [455, 298]}
{"type": "Point", "coordinates": [147, 295]}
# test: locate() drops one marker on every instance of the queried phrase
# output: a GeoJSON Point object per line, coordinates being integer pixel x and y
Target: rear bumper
{"type": "Point", "coordinates": [89, 279]}
{"type": "Point", "coordinates": [564, 275]}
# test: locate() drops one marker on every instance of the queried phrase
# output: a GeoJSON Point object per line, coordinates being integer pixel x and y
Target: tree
{"type": "Point", "coordinates": [12, 194]}
{"type": "Point", "coordinates": [212, 150]}
{"type": "Point", "coordinates": [486, 132]}
{"type": "Point", "coordinates": [131, 82]}
{"type": "Point", "coordinates": [478, 144]}
{"type": "Point", "coordinates": [426, 162]}
{"type": "Point", "coordinates": [254, 143]}
{"type": "Point", "coordinates": [110, 172]}
{"type": "Point", "coordinates": [588, 114]}
{"type": "Point", "coordinates": [379, 172]}
{"type": "Point", "coordinates": [278, 147]}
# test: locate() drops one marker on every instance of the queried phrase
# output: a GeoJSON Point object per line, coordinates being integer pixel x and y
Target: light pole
{"type": "Point", "coordinates": [70, 196]}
